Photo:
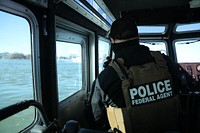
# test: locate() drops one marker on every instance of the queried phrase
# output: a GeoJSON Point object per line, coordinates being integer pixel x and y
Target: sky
{"type": "Point", "coordinates": [14, 34]}
{"type": "Point", "coordinates": [15, 37]}
{"type": "Point", "coordinates": [72, 48]}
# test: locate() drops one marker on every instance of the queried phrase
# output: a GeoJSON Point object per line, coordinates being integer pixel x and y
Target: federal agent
{"type": "Point", "coordinates": [108, 86]}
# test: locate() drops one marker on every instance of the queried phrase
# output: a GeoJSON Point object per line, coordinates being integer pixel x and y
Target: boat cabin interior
{"type": "Point", "coordinates": [68, 44]}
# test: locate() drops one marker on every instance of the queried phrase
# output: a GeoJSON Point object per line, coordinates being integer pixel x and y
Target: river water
{"type": "Point", "coordinates": [16, 84]}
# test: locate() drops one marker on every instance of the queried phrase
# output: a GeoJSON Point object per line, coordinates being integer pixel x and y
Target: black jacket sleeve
{"type": "Point", "coordinates": [98, 108]}
{"type": "Point", "coordinates": [181, 79]}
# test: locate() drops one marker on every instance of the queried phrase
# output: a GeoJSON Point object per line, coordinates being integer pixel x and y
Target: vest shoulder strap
{"type": "Point", "coordinates": [118, 66]}
{"type": "Point", "coordinates": [124, 73]}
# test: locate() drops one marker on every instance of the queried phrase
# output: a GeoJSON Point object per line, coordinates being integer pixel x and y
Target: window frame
{"type": "Point", "coordinates": [152, 33]}
{"type": "Point", "coordinates": [80, 35]}
{"type": "Point", "coordinates": [186, 31]}
{"type": "Point", "coordinates": [150, 40]}
{"type": "Point", "coordinates": [174, 46]}
{"type": "Point", "coordinates": [22, 11]}
{"type": "Point", "coordinates": [82, 44]}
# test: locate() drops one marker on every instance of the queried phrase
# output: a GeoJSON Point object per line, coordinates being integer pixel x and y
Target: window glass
{"type": "Point", "coordinates": [155, 46]}
{"type": "Point", "coordinates": [103, 52]}
{"type": "Point", "coordinates": [16, 81]}
{"type": "Point", "coordinates": [188, 27]}
{"type": "Point", "coordinates": [69, 68]}
{"type": "Point", "coordinates": [187, 53]}
{"type": "Point", "coordinates": [151, 29]}
{"type": "Point", "coordinates": [97, 8]}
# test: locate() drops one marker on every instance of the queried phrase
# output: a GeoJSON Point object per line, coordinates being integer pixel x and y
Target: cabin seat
{"type": "Point", "coordinates": [73, 126]}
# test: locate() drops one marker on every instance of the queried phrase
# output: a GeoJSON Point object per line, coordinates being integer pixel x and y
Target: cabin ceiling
{"type": "Point", "coordinates": [152, 11]}
{"type": "Point", "coordinates": [117, 6]}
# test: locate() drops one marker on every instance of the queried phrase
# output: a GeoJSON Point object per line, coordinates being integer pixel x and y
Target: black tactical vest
{"type": "Point", "coordinates": [151, 105]}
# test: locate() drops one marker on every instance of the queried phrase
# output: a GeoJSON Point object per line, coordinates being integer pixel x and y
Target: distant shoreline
{"type": "Point", "coordinates": [15, 55]}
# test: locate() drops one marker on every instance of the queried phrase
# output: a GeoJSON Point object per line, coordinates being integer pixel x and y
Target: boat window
{"type": "Point", "coordinates": [155, 46]}
{"type": "Point", "coordinates": [152, 29]}
{"type": "Point", "coordinates": [69, 68]}
{"type": "Point", "coordinates": [187, 54]}
{"type": "Point", "coordinates": [95, 5]}
{"type": "Point", "coordinates": [16, 78]}
{"type": "Point", "coordinates": [103, 47]}
{"type": "Point", "coordinates": [188, 50]}
{"type": "Point", "coordinates": [183, 28]}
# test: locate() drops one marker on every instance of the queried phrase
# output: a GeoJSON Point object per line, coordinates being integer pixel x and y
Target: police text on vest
{"type": "Point", "coordinates": [151, 92]}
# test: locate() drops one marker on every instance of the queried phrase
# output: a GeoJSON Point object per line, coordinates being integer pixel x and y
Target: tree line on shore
{"type": "Point", "coordinates": [15, 55]}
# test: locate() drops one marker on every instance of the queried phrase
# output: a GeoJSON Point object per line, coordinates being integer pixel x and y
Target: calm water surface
{"type": "Point", "coordinates": [16, 84]}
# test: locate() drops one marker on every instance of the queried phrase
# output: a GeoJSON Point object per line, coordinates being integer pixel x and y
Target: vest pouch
{"type": "Point", "coordinates": [116, 119]}
{"type": "Point", "coordinates": [156, 117]}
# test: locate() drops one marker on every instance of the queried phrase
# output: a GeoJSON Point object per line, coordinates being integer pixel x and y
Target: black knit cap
{"type": "Point", "coordinates": [123, 28]}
